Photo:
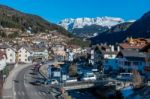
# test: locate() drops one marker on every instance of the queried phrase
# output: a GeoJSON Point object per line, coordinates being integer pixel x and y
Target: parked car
{"type": "Point", "coordinates": [38, 81]}
{"type": "Point", "coordinates": [88, 76]}
{"type": "Point", "coordinates": [70, 80]}
{"type": "Point", "coordinates": [52, 81]}
{"type": "Point", "coordinates": [125, 76]}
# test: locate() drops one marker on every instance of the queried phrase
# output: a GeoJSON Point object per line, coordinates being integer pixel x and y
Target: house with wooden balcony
{"type": "Point", "coordinates": [134, 44]}
{"type": "Point", "coordinates": [130, 60]}
{"type": "Point", "coordinates": [146, 50]}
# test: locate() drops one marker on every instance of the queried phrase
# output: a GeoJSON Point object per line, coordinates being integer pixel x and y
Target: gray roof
{"type": "Point", "coordinates": [5, 46]}
{"type": "Point", "coordinates": [109, 52]}
{"type": "Point", "coordinates": [133, 53]}
{"type": "Point", "coordinates": [27, 47]}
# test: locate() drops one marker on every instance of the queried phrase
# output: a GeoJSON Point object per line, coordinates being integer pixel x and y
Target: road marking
{"type": "Point", "coordinates": [23, 93]}
{"type": "Point", "coordinates": [35, 93]}
{"type": "Point", "coordinates": [18, 93]}
{"type": "Point", "coordinates": [14, 93]}
{"type": "Point", "coordinates": [26, 83]}
{"type": "Point", "coordinates": [39, 93]}
{"type": "Point", "coordinates": [44, 94]}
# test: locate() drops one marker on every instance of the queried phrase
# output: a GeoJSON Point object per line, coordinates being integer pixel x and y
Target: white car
{"type": "Point", "coordinates": [54, 81]}
{"type": "Point", "coordinates": [89, 76]}
{"type": "Point", "coordinates": [125, 76]}
{"type": "Point", "coordinates": [70, 80]}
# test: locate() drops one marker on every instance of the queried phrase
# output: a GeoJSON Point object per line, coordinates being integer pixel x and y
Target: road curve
{"type": "Point", "coordinates": [23, 89]}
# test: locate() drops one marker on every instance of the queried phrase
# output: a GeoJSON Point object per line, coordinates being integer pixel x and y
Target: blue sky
{"type": "Point", "coordinates": [56, 10]}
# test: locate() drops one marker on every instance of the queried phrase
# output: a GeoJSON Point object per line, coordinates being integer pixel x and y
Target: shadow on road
{"type": "Point", "coordinates": [32, 73]}
{"type": "Point", "coordinates": [35, 83]}
{"type": "Point", "coordinates": [16, 81]}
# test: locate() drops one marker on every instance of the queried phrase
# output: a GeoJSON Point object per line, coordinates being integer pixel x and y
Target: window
{"type": "Point", "coordinates": [127, 63]}
{"type": "Point", "coordinates": [140, 63]}
{"type": "Point", "coordinates": [148, 55]}
{"type": "Point", "coordinates": [135, 63]}
{"type": "Point", "coordinates": [26, 55]}
{"type": "Point", "coordinates": [10, 54]}
{"type": "Point", "coordinates": [10, 60]}
{"type": "Point", "coordinates": [25, 59]}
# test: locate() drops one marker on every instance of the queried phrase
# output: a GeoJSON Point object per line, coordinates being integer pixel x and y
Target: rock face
{"type": "Point", "coordinates": [89, 27]}
{"type": "Point", "coordinates": [71, 24]}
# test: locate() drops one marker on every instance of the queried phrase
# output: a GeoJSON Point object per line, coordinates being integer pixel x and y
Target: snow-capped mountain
{"type": "Point", "coordinates": [70, 24]}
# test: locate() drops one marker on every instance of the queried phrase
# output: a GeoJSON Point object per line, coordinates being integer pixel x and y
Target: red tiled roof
{"type": "Point", "coordinates": [132, 46]}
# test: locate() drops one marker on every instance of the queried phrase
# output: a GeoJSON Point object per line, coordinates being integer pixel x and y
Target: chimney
{"type": "Point", "coordinates": [112, 48]}
{"type": "Point", "coordinates": [118, 48]}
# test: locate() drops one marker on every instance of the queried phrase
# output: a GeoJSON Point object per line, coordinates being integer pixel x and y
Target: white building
{"type": "Point", "coordinates": [41, 53]}
{"type": "Point", "coordinates": [10, 53]}
{"type": "Point", "coordinates": [59, 52]}
{"type": "Point", "coordinates": [131, 60]}
{"type": "Point", "coordinates": [2, 60]}
{"type": "Point", "coordinates": [91, 60]}
{"type": "Point", "coordinates": [109, 54]}
{"type": "Point", "coordinates": [24, 55]}
{"type": "Point", "coordinates": [71, 56]}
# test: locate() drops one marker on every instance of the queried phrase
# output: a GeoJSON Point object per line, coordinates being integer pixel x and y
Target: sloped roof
{"type": "Point", "coordinates": [110, 52]}
{"type": "Point", "coordinates": [132, 53]}
{"type": "Point", "coordinates": [5, 46]}
{"type": "Point", "coordinates": [132, 46]}
{"type": "Point", "coordinates": [26, 47]}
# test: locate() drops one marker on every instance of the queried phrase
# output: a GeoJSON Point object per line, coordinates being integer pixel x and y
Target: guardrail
{"type": "Point", "coordinates": [83, 84]}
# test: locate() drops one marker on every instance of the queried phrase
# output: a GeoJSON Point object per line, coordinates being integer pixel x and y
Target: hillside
{"type": "Point", "coordinates": [13, 23]}
{"type": "Point", "coordinates": [11, 18]}
{"type": "Point", "coordinates": [89, 31]}
{"type": "Point", "coordinates": [120, 27]}
{"type": "Point", "coordinates": [139, 29]}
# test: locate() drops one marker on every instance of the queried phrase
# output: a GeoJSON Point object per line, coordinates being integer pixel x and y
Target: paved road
{"type": "Point", "coordinates": [23, 89]}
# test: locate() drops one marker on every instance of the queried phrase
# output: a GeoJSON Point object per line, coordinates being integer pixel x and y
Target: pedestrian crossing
{"type": "Point", "coordinates": [22, 93]}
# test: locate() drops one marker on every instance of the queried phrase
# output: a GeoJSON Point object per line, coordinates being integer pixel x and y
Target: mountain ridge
{"type": "Point", "coordinates": [139, 29]}
{"type": "Point", "coordinates": [85, 21]}
{"type": "Point", "coordinates": [90, 27]}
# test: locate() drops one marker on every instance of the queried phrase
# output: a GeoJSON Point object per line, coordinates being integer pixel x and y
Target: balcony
{"type": "Point", "coordinates": [147, 68]}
